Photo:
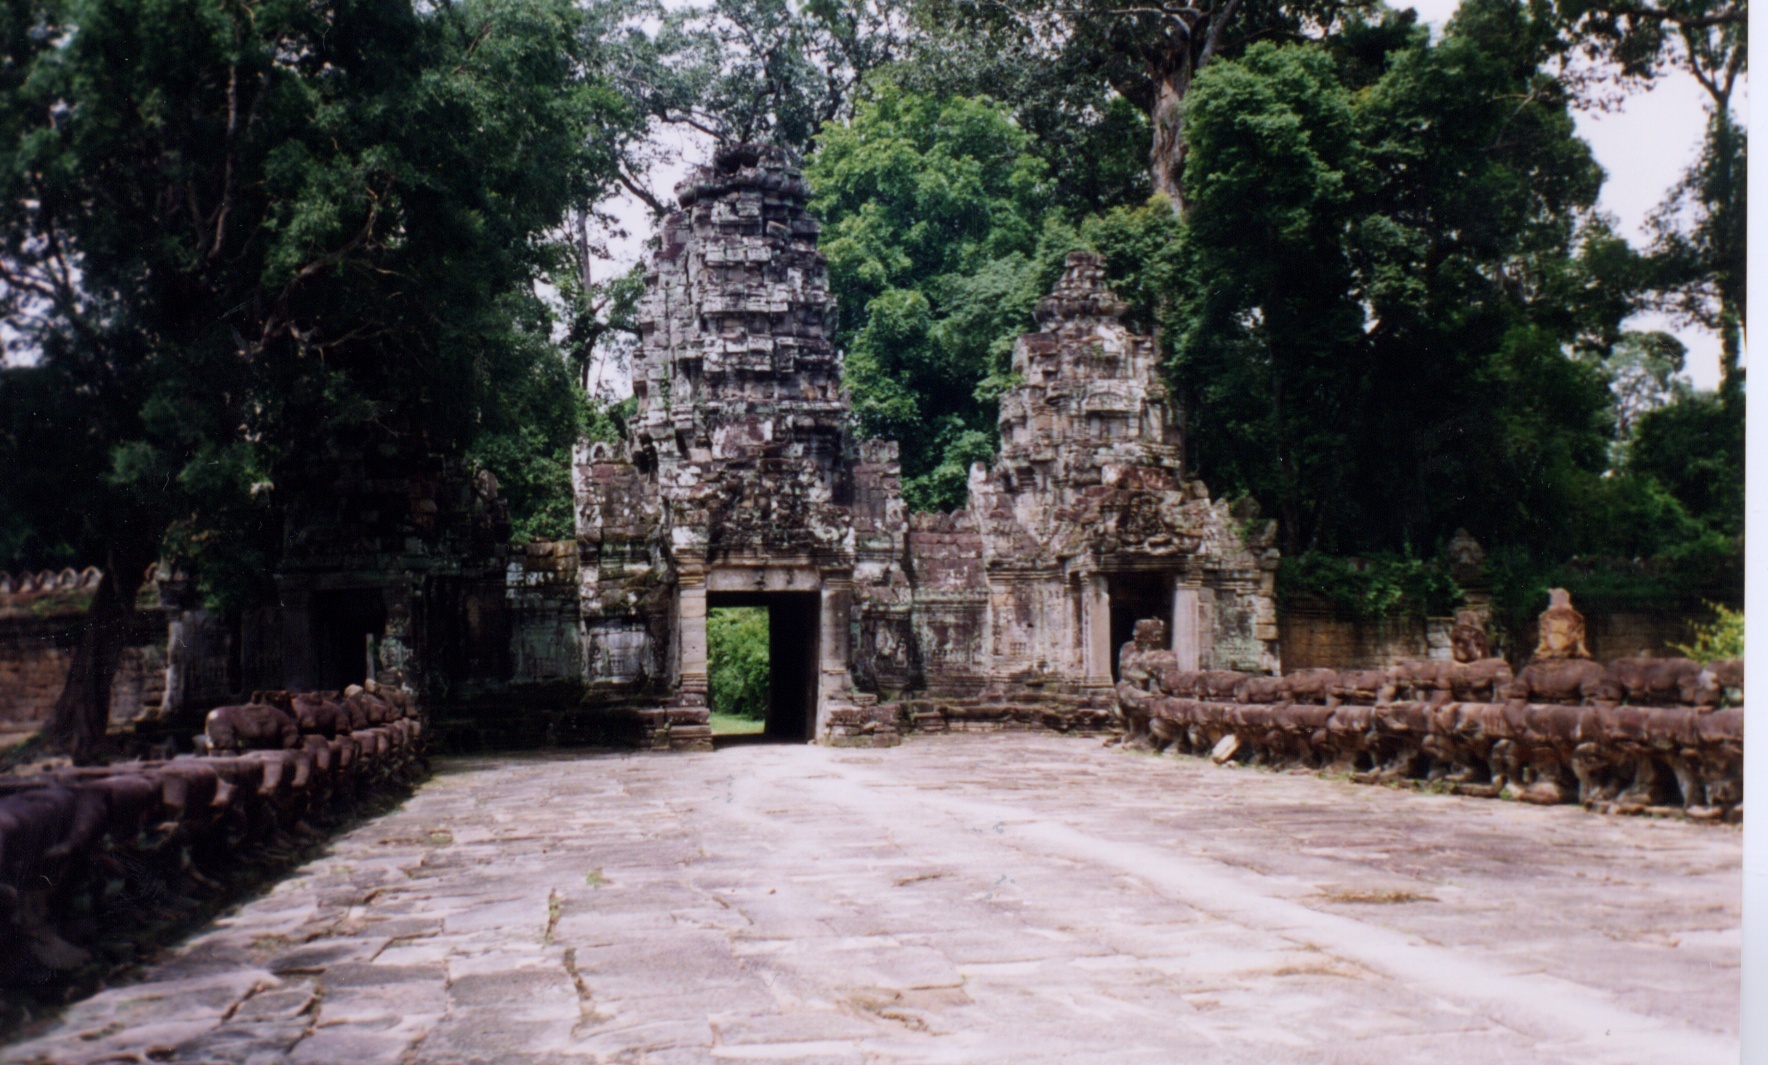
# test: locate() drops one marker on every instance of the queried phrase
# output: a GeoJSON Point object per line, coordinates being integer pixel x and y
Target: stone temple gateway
{"type": "Point", "coordinates": [740, 483]}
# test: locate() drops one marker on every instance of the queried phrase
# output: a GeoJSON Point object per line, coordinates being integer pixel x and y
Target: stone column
{"type": "Point", "coordinates": [300, 666]}
{"type": "Point", "coordinates": [177, 658]}
{"type": "Point", "coordinates": [686, 723]}
{"type": "Point", "coordinates": [834, 681]}
{"type": "Point", "coordinates": [1187, 629]}
{"type": "Point", "coordinates": [393, 658]}
{"type": "Point", "coordinates": [1096, 626]}
{"type": "Point", "coordinates": [691, 644]}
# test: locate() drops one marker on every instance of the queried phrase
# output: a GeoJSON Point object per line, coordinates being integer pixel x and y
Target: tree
{"type": "Point", "coordinates": [935, 232]}
{"type": "Point", "coordinates": [238, 236]}
{"type": "Point", "coordinates": [1644, 374]}
{"type": "Point", "coordinates": [1149, 53]}
{"type": "Point", "coordinates": [1694, 448]}
{"type": "Point", "coordinates": [737, 652]}
{"type": "Point", "coordinates": [1699, 244]}
{"type": "Point", "coordinates": [1381, 274]}
{"type": "Point", "coordinates": [1093, 142]}
{"type": "Point", "coordinates": [738, 71]}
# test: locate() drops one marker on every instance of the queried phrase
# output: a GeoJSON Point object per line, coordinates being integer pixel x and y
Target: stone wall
{"type": "Point", "coordinates": [541, 590]}
{"type": "Point", "coordinates": [950, 623]}
{"type": "Point", "coordinates": [40, 617]}
{"type": "Point", "coordinates": [1313, 635]}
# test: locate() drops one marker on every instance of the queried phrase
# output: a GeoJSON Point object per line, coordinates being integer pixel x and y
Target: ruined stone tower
{"type": "Point", "coordinates": [1087, 520]}
{"type": "Point", "coordinates": [737, 483]}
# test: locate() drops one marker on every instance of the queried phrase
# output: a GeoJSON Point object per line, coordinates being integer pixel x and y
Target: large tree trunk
{"type": "Point", "coordinates": [82, 712]}
{"type": "Point", "coordinates": [1166, 156]}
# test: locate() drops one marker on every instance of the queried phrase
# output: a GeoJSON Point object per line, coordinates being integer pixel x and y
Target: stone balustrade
{"type": "Point", "coordinates": [1637, 736]}
{"type": "Point", "coordinates": [50, 580]}
{"type": "Point", "coordinates": [99, 864]}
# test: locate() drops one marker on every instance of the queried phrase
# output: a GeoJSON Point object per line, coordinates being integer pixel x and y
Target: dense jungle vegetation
{"type": "Point", "coordinates": [241, 235]}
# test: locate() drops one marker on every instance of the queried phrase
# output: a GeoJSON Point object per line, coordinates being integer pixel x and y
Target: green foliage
{"type": "Point", "coordinates": [939, 245]}
{"type": "Point", "coordinates": [1705, 568]}
{"type": "Point", "coordinates": [300, 231]}
{"type": "Point", "coordinates": [737, 661]}
{"type": "Point", "coordinates": [753, 71]}
{"type": "Point", "coordinates": [1063, 55]}
{"type": "Point", "coordinates": [732, 725]}
{"type": "Point", "coordinates": [531, 458]}
{"type": "Point", "coordinates": [1379, 285]}
{"type": "Point", "coordinates": [1694, 449]}
{"type": "Point", "coordinates": [52, 472]}
{"type": "Point", "coordinates": [1372, 587]}
{"type": "Point", "coordinates": [1720, 638]}
{"type": "Point", "coordinates": [1643, 371]}
{"type": "Point", "coordinates": [1700, 251]}
{"type": "Point", "coordinates": [1093, 142]}
{"type": "Point", "coordinates": [1141, 246]}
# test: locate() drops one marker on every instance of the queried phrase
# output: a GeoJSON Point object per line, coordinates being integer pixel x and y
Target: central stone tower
{"type": "Point", "coordinates": [737, 483]}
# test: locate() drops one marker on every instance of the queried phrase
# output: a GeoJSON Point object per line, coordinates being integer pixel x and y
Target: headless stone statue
{"type": "Point", "coordinates": [1467, 640]}
{"type": "Point", "coordinates": [1562, 630]}
{"type": "Point", "coordinates": [1136, 660]}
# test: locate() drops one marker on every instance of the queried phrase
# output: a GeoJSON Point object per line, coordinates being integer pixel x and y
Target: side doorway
{"type": "Point", "coordinates": [1135, 596]}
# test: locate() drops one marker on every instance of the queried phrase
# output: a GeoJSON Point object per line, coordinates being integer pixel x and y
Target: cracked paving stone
{"type": "Point", "coordinates": [969, 899]}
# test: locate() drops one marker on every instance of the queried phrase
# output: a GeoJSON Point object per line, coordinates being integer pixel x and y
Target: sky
{"type": "Point", "coordinates": [1644, 146]}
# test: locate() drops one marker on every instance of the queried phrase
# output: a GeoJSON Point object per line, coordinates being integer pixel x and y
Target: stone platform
{"type": "Point", "coordinates": [1006, 898]}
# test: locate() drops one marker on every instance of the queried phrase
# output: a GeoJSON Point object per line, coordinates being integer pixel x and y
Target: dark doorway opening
{"type": "Point", "coordinates": [346, 627]}
{"type": "Point", "coordinates": [793, 622]}
{"type": "Point", "coordinates": [1135, 596]}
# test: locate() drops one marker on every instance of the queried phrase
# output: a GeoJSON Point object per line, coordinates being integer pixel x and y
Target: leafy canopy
{"type": "Point", "coordinates": [241, 238]}
{"type": "Point", "coordinates": [1382, 276]}
{"type": "Point", "coordinates": [933, 214]}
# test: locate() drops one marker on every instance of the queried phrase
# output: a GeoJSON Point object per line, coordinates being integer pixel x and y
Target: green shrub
{"type": "Point", "coordinates": [1720, 638]}
{"type": "Point", "coordinates": [736, 659]}
{"type": "Point", "coordinates": [1370, 587]}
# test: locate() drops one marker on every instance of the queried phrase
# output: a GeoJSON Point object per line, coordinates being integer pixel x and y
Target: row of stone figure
{"type": "Point", "coordinates": [49, 580]}
{"type": "Point", "coordinates": [94, 859]}
{"type": "Point", "coordinates": [1633, 681]}
{"type": "Point", "coordinates": [1466, 727]}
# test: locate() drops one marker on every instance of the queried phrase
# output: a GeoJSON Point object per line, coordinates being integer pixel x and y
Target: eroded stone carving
{"type": "Point", "coordinates": [1562, 629]}
{"type": "Point", "coordinates": [73, 839]}
{"type": "Point", "coordinates": [1467, 640]}
{"type": "Point", "coordinates": [1557, 733]}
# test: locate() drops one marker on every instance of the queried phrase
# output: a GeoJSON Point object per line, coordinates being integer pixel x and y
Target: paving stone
{"type": "Point", "coordinates": [926, 906]}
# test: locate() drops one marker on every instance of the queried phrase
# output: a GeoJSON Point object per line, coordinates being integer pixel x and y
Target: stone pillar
{"type": "Point", "coordinates": [1096, 628]}
{"type": "Point", "coordinates": [1187, 629]}
{"type": "Point", "coordinates": [686, 723]}
{"type": "Point", "coordinates": [395, 652]}
{"type": "Point", "coordinates": [300, 666]}
{"type": "Point", "coordinates": [691, 641]}
{"type": "Point", "coordinates": [834, 682]}
{"type": "Point", "coordinates": [178, 652]}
